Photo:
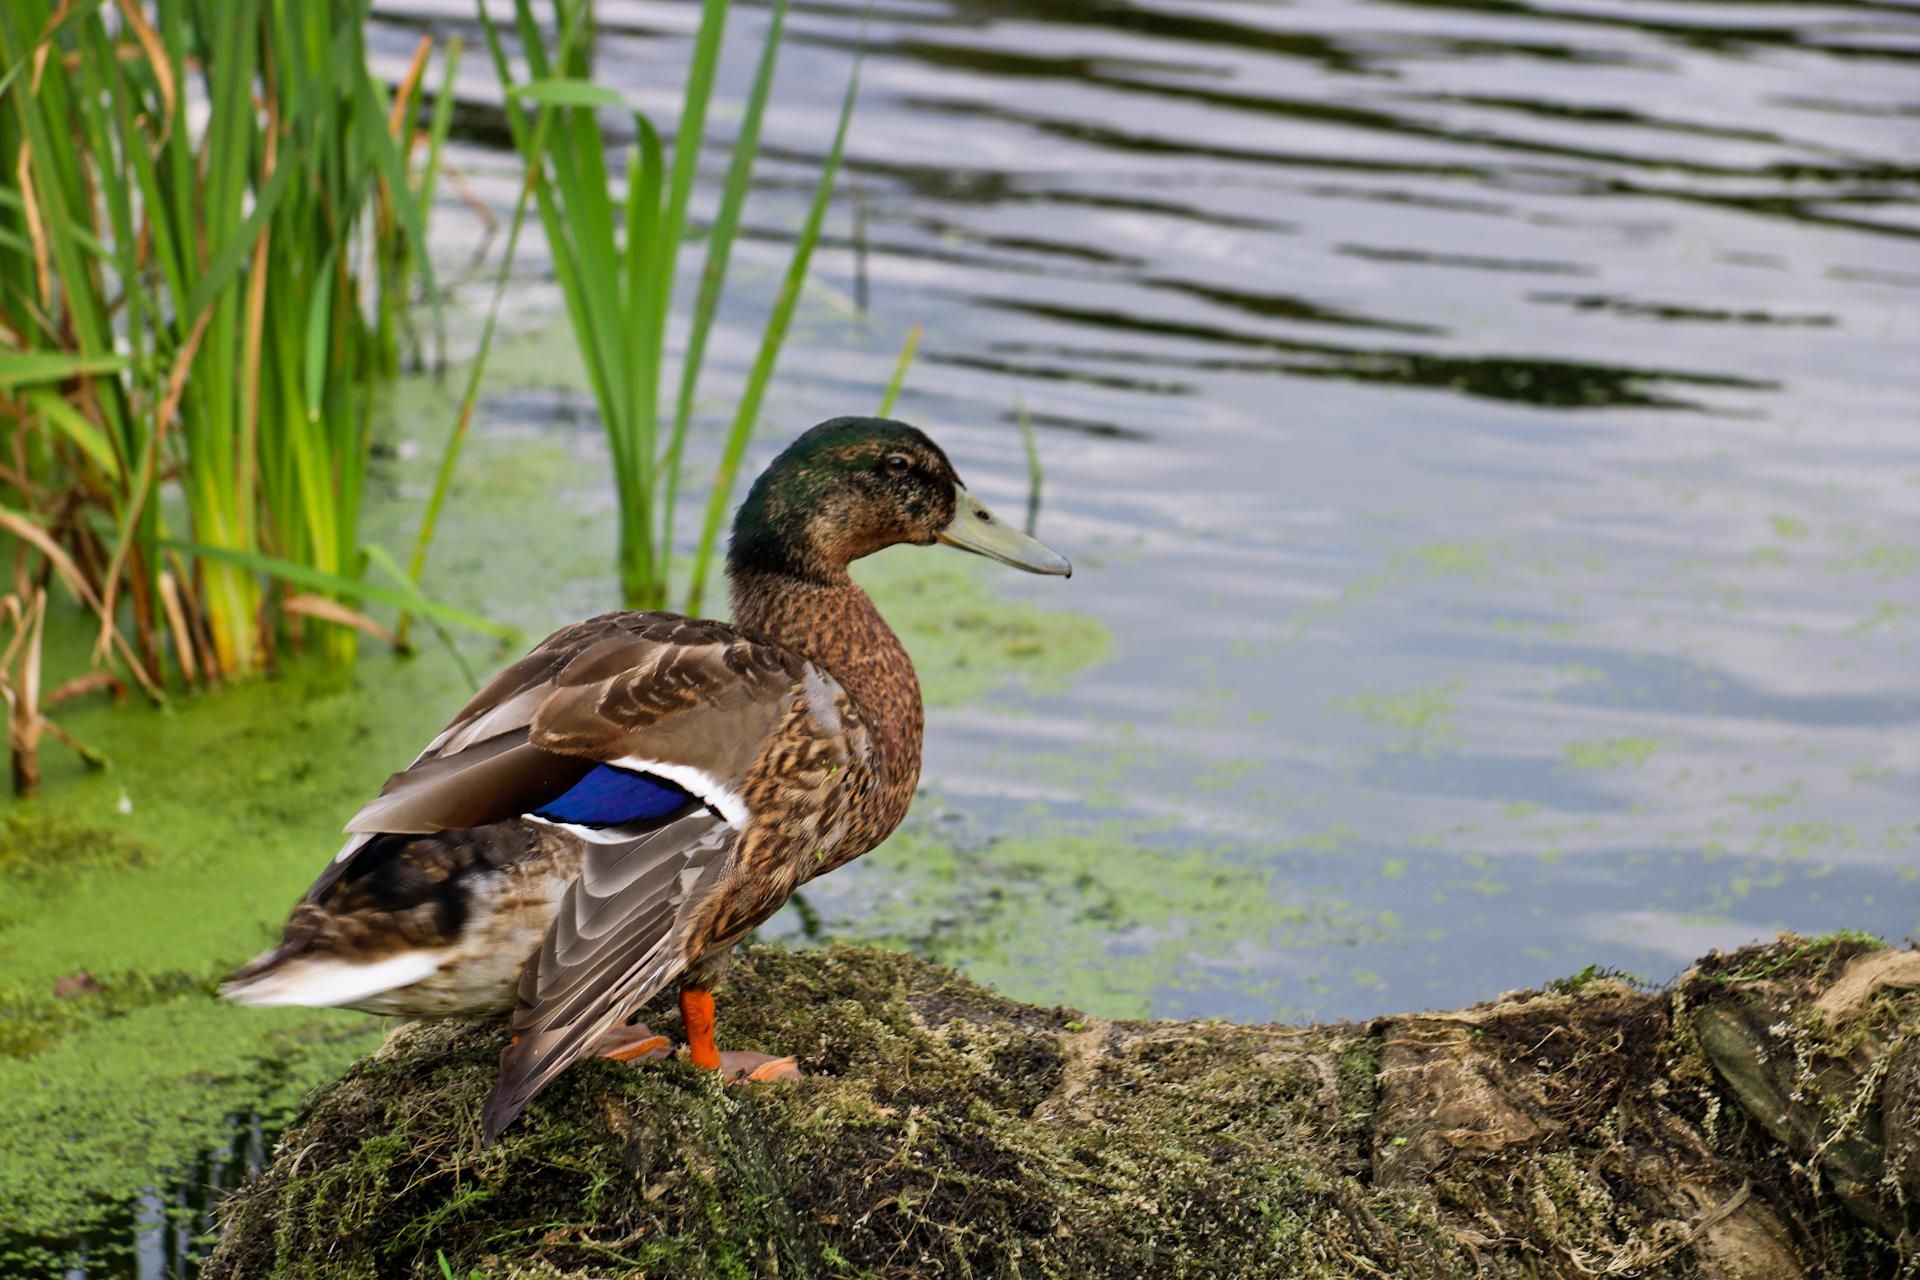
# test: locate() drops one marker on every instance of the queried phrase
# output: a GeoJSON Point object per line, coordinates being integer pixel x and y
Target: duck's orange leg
{"type": "Point", "coordinates": [696, 1015]}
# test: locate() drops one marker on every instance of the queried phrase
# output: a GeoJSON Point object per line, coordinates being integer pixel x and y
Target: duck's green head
{"type": "Point", "coordinates": [851, 486]}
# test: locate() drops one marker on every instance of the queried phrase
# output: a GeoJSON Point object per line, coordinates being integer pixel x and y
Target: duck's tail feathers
{"type": "Point", "coordinates": [323, 981]}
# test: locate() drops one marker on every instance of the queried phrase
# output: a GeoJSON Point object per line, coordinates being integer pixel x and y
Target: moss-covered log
{"type": "Point", "coordinates": [1756, 1121]}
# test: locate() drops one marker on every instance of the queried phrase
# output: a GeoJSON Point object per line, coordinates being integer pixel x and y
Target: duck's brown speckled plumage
{"type": "Point", "coordinates": [797, 729]}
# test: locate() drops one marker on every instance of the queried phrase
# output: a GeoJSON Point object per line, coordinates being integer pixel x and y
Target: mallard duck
{"type": "Point", "coordinates": [617, 809]}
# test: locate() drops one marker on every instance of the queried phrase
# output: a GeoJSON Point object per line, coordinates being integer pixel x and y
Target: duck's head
{"type": "Point", "coordinates": [851, 486]}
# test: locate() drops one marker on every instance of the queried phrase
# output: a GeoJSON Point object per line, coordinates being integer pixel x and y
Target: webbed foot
{"type": "Point", "coordinates": [739, 1066]}
{"type": "Point", "coordinates": [636, 1043]}
{"type": "Point", "coordinates": [734, 1066]}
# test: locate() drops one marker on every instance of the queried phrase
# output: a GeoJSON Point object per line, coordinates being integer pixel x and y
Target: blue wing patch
{"type": "Point", "coordinates": [610, 797]}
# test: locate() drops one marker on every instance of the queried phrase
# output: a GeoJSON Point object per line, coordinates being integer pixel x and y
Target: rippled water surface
{"type": "Point", "coordinates": [1488, 430]}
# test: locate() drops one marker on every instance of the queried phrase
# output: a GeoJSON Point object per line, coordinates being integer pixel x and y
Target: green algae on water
{"type": "Point", "coordinates": [122, 1099]}
{"type": "Point", "coordinates": [37, 850]}
{"type": "Point", "coordinates": [1424, 713]}
{"type": "Point", "coordinates": [1788, 526]}
{"type": "Point", "coordinates": [1611, 753]}
{"type": "Point", "coordinates": [964, 640]}
{"type": "Point", "coordinates": [1404, 568]}
{"type": "Point", "coordinates": [1101, 916]}
{"type": "Point", "coordinates": [119, 1060]}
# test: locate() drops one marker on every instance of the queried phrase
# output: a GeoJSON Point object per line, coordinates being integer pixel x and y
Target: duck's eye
{"type": "Point", "coordinates": [896, 463]}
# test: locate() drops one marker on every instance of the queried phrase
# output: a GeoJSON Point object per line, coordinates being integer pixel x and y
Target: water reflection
{"type": "Point", "coordinates": [163, 1233]}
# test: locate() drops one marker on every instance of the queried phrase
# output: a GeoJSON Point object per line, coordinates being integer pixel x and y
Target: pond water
{"type": "Point", "coordinates": [1485, 430]}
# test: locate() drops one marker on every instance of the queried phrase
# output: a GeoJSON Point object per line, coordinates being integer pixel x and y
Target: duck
{"type": "Point", "coordinates": [612, 814]}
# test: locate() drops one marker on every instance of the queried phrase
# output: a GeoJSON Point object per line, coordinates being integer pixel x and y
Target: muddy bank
{"type": "Point", "coordinates": [1756, 1121]}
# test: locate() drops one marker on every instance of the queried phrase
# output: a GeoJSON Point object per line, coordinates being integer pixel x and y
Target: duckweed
{"type": "Point", "coordinates": [1611, 753]}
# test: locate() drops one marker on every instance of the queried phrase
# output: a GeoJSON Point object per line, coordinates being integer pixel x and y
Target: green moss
{"type": "Point", "coordinates": [1857, 937]}
{"type": "Point", "coordinates": [944, 1131]}
{"type": "Point", "coordinates": [1789, 956]}
{"type": "Point", "coordinates": [1576, 982]}
{"type": "Point", "coordinates": [941, 1131]}
{"type": "Point", "coordinates": [1358, 1077]}
{"type": "Point", "coordinates": [1812, 1038]}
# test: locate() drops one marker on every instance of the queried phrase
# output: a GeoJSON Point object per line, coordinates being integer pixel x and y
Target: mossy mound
{"type": "Point", "coordinates": [1756, 1121]}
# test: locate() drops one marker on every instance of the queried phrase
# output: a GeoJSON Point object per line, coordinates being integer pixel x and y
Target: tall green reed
{"type": "Point", "coordinates": [205, 249]}
{"type": "Point", "coordinates": [617, 263]}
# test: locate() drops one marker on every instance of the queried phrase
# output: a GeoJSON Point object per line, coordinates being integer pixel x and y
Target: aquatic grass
{"type": "Point", "coordinates": [205, 265]}
{"type": "Point", "coordinates": [746, 415]}
{"type": "Point", "coordinates": [900, 366]}
{"type": "Point", "coordinates": [1036, 477]}
{"type": "Point", "coordinates": [21, 666]}
{"type": "Point", "coordinates": [616, 262]}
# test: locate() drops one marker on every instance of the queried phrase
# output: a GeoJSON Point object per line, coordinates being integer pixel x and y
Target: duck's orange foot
{"type": "Point", "coordinates": [737, 1066]}
{"type": "Point", "coordinates": [636, 1043]}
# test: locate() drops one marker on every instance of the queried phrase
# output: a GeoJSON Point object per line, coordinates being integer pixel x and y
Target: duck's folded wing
{"type": "Point", "coordinates": [613, 944]}
{"type": "Point", "coordinates": [683, 700]}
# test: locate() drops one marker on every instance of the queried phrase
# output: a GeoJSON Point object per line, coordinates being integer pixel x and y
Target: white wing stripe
{"type": "Point", "coordinates": [702, 785]}
{"type": "Point", "coordinates": [593, 835]}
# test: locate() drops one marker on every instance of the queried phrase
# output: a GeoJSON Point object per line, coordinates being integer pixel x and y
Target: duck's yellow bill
{"type": "Point", "coordinates": [976, 529]}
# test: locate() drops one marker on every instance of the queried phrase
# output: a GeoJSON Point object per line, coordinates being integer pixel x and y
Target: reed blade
{"type": "Point", "coordinates": [900, 367]}
{"type": "Point", "coordinates": [771, 341]}
{"type": "Point", "coordinates": [720, 238]}
{"type": "Point", "coordinates": [410, 599]}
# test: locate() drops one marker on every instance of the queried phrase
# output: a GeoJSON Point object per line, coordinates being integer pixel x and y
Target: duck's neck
{"type": "Point", "coordinates": [831, 621]}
